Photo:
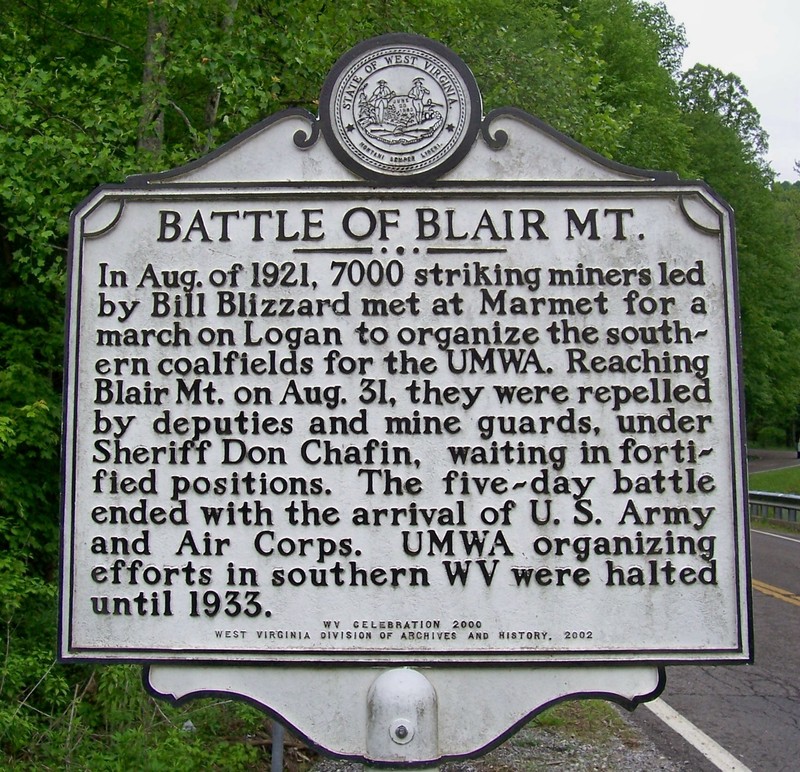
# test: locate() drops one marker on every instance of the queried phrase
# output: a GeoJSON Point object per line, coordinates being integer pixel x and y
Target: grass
{"type": "Point", "coordinates": [776, 480]}
{"type": "Point", "coordinates": [588, 720]}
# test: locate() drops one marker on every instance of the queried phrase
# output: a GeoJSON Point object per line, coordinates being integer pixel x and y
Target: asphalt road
{"type": "Point", "coordinates": [762, 460]}
{"type": "Point", "coordinates": [753, 711]}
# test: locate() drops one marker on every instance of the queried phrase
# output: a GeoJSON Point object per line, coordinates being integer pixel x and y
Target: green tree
{"type": "Point", "coordinates": [635, 49]}
{"type": "Point", "coordinates": [708, 91]}
{"type": "Point", "coordinates": [728, 147]}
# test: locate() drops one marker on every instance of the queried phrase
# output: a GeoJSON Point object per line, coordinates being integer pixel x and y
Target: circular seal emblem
{"type": "Point", "coordinates": [400, 107]}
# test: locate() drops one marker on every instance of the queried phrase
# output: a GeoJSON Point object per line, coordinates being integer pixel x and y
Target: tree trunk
{"type": "Point", "coordinates": [212, 104]}
{"type": "Point", "coordinates": [151, 126]}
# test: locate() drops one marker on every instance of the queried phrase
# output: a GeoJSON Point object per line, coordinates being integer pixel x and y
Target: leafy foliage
{"type": "Point", "coordinates": [728, 146]}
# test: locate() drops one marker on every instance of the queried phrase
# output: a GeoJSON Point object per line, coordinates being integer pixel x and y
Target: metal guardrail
{"type": "Point", "coordinates": [783, 507]}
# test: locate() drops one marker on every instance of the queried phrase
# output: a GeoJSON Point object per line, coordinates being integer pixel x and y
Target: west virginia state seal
{"type": "Point", "coordinates": [400, 108]}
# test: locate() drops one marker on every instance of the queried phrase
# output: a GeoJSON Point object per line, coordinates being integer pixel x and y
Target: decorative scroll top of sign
{"type": "Point", "coordinates": [400, 107]}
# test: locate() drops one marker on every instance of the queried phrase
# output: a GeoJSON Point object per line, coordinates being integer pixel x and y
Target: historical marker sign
{"type": "Point", "coordinates": [401, 391]}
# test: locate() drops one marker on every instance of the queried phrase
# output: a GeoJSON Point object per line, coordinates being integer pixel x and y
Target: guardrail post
{"type": "Point", "coordinates": [783, 507]}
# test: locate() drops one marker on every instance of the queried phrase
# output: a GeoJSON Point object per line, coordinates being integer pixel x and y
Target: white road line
{"type": "Point", "coordinates": [776, 535]}
{"type": "Point", "coordinates": [712, 750]}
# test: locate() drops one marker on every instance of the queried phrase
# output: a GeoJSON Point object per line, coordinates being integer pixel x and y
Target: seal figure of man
{"type": "Point", "coordinates": [381, 96]}
{"type": "Point", "coordinates": [417, 94]}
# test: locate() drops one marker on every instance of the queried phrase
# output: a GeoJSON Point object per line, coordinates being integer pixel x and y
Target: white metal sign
{"type": "Point", "coordinates": [488, 414]}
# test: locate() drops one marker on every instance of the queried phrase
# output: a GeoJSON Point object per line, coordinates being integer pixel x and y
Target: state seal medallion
{"type": "Point", "coordinates": [400, 107]}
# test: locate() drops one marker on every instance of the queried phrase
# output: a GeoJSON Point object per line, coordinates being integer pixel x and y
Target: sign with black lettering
{"type": "Point", "coordinates": [402, 383]}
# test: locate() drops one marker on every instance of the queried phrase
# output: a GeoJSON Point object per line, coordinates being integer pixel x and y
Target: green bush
{"type": "Point", "coordinates": [772, 437]}
{"type": "Point", "coordinates": [110, 724]}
